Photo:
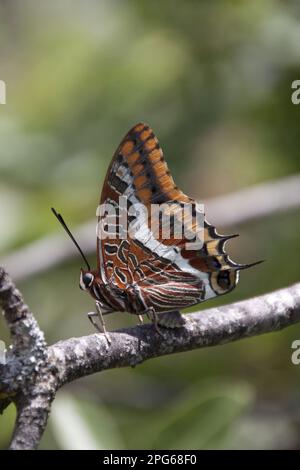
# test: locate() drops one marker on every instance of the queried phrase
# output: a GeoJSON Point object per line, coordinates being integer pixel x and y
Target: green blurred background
{"type": "Point", "coordinates": [213, 79]}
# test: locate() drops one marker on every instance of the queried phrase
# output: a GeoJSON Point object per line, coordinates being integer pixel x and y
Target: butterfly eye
{"type": "Point", "coordinates": [86, 280]}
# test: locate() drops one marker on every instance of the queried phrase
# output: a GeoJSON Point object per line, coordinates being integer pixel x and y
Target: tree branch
{"type": "Point", "coordinates": [33, 373]}
{"type": "Point", "coordinates": [247, 204]}
{"type": "Point", "coordinates": [256, 202]}
{"type": "Point", "coordinates": [77, 357]}
{"type": "Point", "coordinates": [26, 378]}
{"type": "Point", "coordinates": [24, 330]}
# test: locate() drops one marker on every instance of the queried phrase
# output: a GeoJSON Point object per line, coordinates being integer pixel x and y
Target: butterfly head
{"type": "Point", "coordinates": [86, 279]}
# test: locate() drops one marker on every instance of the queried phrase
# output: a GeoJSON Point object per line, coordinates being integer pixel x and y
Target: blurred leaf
{"type": "Point", "coordinates": [7, 421]}
{"type": "Point", "coordinates": [203, 417]}
{"type": "Point", "coordinates": [82, 426]}
{"type": "Point", "coordinates": [265, 430]}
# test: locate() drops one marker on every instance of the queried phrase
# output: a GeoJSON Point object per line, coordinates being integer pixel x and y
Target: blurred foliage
{"type": "Point", "coordinates": [213, 79]}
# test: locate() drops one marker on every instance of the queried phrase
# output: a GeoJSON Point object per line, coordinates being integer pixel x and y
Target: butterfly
{"type": "Point", "coordinates": [148, 273]}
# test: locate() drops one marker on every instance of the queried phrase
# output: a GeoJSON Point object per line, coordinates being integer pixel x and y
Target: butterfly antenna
{"type": "Point", "coordinates": [63, 223]}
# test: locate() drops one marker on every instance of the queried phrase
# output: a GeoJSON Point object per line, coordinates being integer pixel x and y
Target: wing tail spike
{"type": "Point", "coordinates": [223, 237]}
{"type": "Point", "coordinates": [250, 265]}
{"type": "Point", "coordinates": [233, 235]}
{"type": "Point", "coordinates": [229, 237]}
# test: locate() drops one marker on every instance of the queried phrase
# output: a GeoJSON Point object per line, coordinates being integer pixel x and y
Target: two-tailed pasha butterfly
{"type": "Point", "coordinates": [148, 274]}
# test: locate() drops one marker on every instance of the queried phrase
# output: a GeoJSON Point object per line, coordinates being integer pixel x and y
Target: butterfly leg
{"type": "Point", "coordinates": [141, 320]}
{"type": "Point", "coordinates": [100, 316]}
{"type": "Point", "coordinates": [151, 314]}
{"type": "Point", "coordinates": [91, 316]}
